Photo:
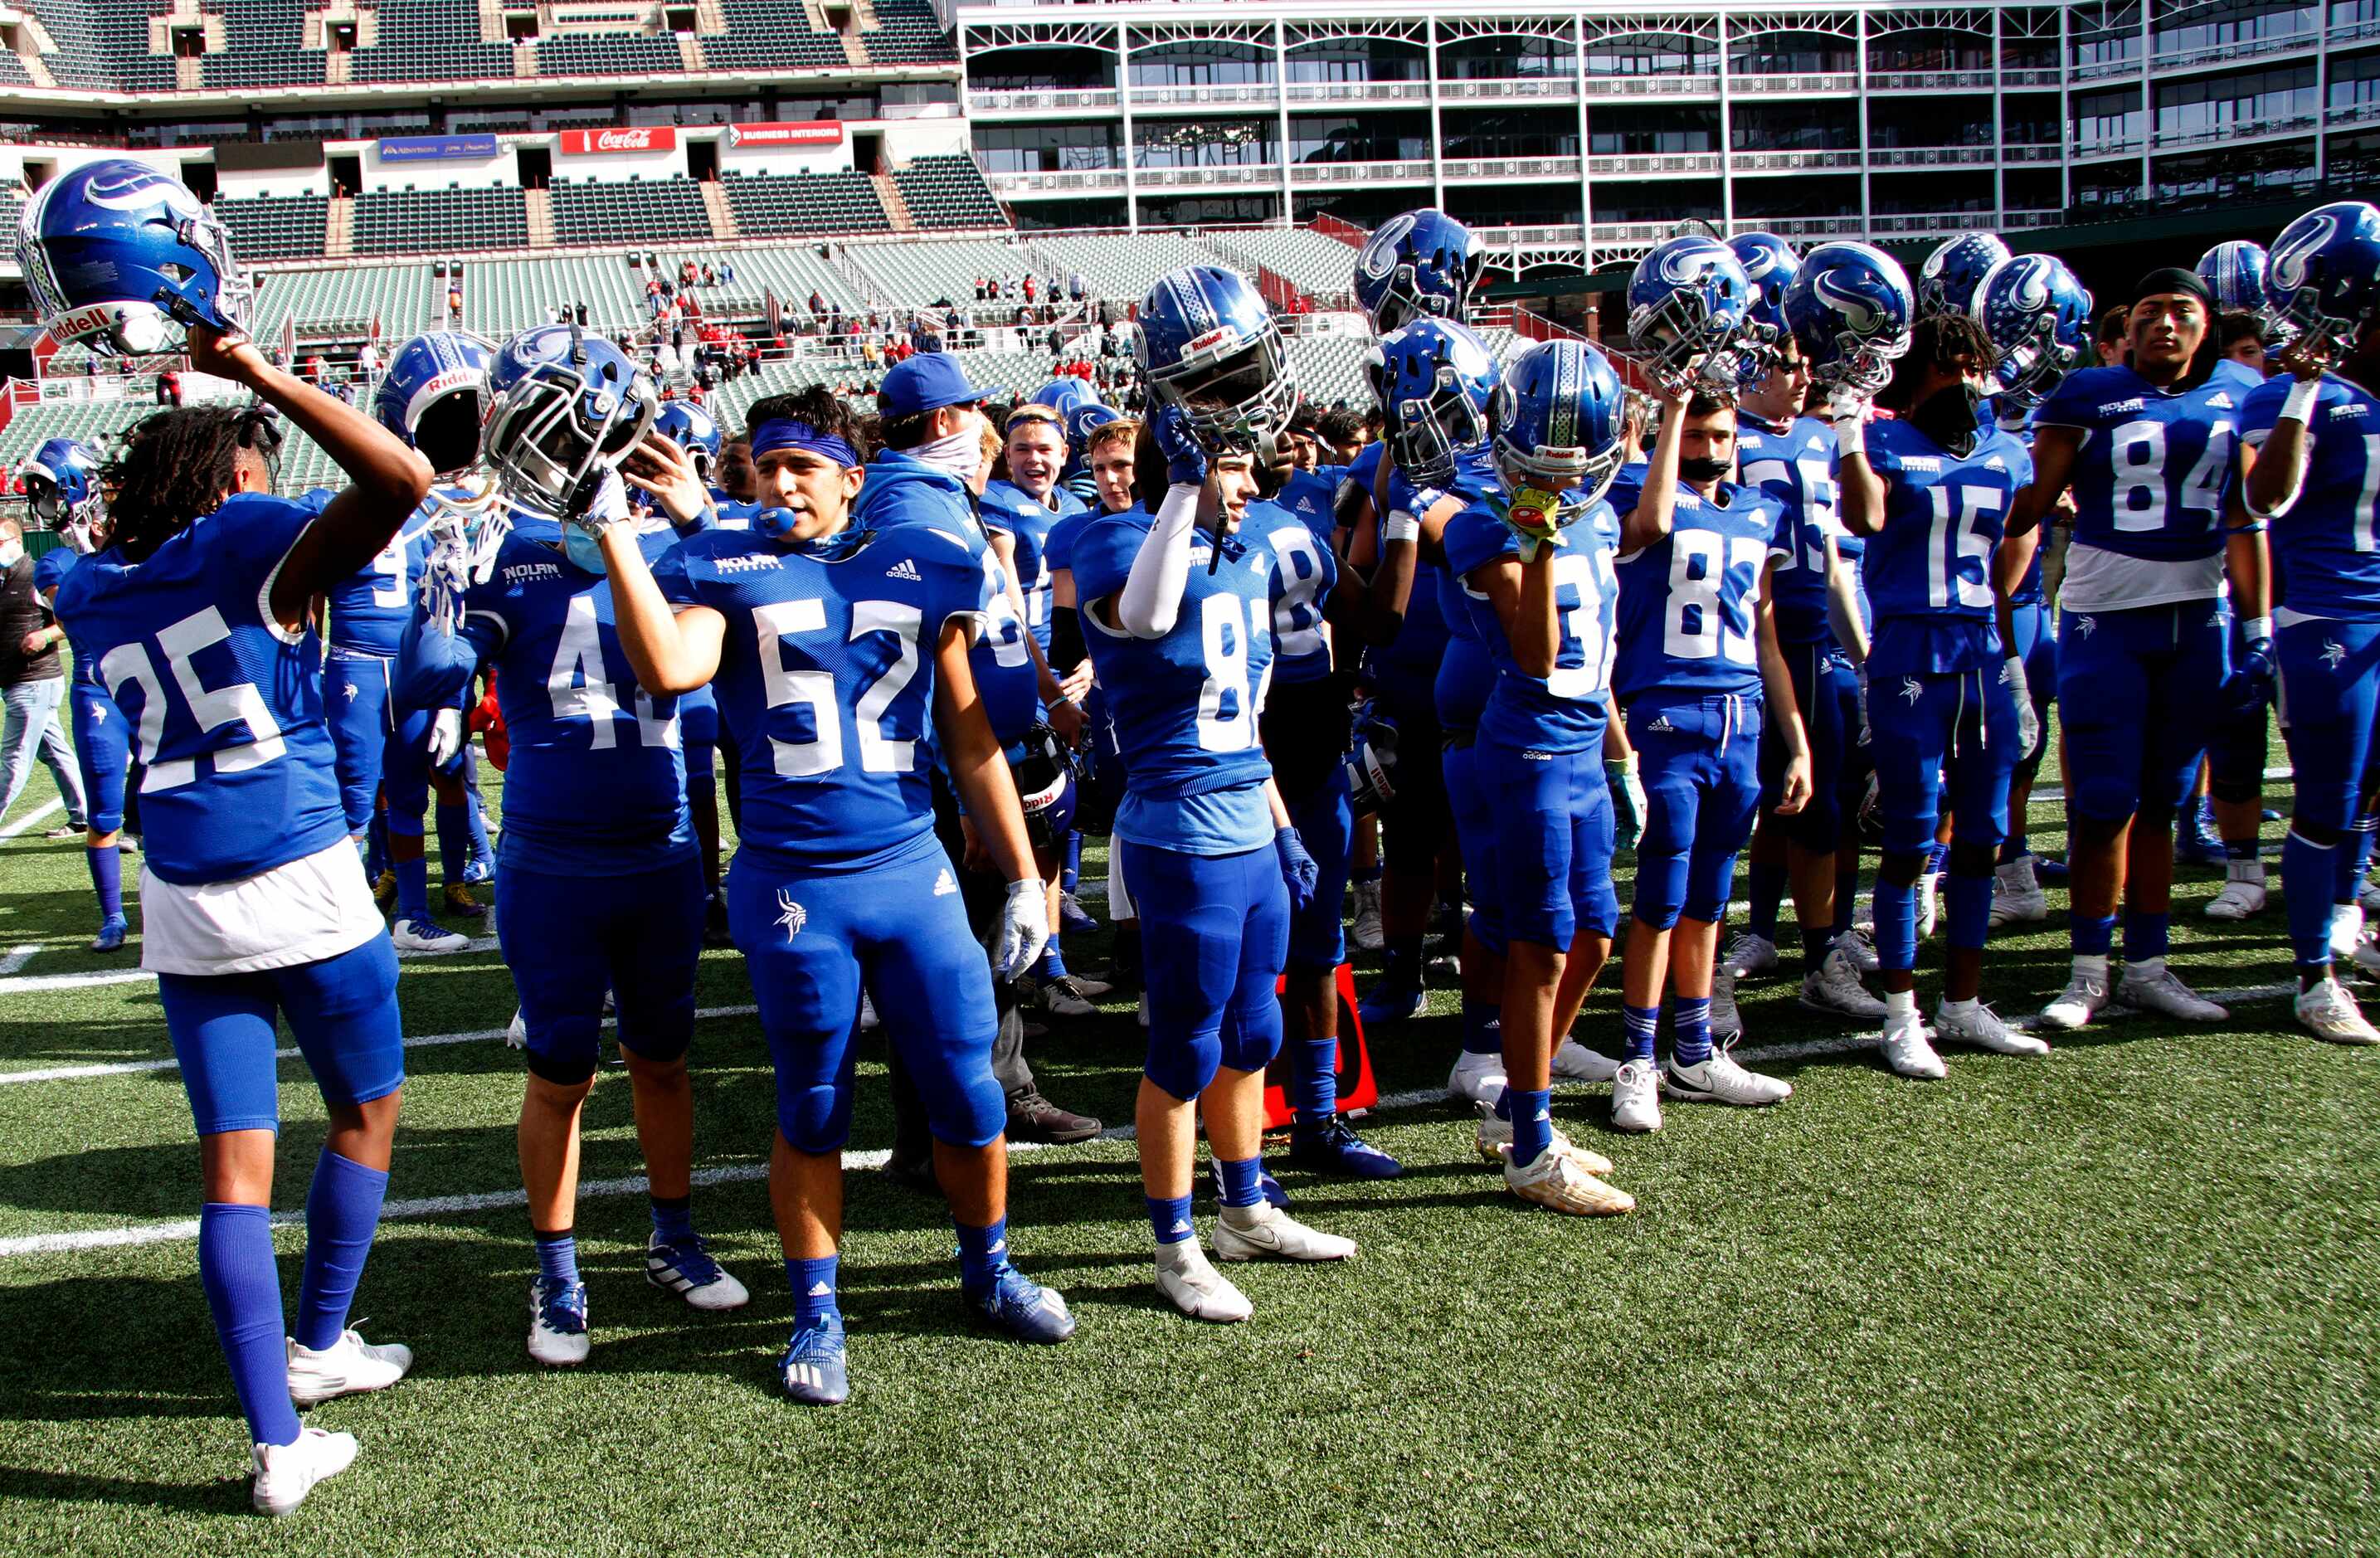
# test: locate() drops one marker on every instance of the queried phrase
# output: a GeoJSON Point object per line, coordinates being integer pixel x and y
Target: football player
{"type": "Point", "coordinates": [840, 654]}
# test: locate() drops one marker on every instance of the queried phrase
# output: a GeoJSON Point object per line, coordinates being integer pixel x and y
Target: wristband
{"type": "Point", "coordinates": [1851, 437]}
{"type": "Point", "coordinates": [2299, 406]}
{"type": "Point", "coordinates": [1400, 525]}
{"type": "Point", "coordinates": [2256, 628]}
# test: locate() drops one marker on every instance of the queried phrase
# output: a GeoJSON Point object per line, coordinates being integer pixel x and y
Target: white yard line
{"type": "Point", "coordinates": [29, 818]}
{"type": "Point", "coordinates": [442, 1206]}
{"type": "Point", "coordinates": [27, 982]}
{"type": "Point", "coordinates": [17, 957]}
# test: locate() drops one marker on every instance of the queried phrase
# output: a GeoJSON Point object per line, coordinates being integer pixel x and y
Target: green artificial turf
{"type": "Point", "coordinates": [2119, 1300]}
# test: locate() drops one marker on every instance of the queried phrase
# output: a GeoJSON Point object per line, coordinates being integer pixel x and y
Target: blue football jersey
{"type": "Point", "coordinates": [2152, 476]}
{"type": "Point", "coordinates": [50, 570]}
{"type": "Point", "coordinates": [371, 607]}
{"type": "Point", "coordinates": [2329, 541]}
{"type": "Point", "coordinates": [1467, 674]}
{"type": "Point", "coordinates": [1565, 712]}
{"type": "Point", "coordinates": [1795, 464]}
{"type": "Point", "coordinates": [1928, 573]}
{"type": "Point", "coordinates": [1028, 521]}
{"type": "Point", "coordinates": [826, 679]}
{"type": "Point", "coordinates": [225, 708]}
{"type": "Point", "coordinates": [1184, 707]}
{"type": "Point", "coordinates": [1301, 551]}
{"type": "Point", "coordinates": [597, 778]}
{"type": "Point", "coordinates": [2236, 375]}
{"type": "Point", "coordinates": [1686, 602]}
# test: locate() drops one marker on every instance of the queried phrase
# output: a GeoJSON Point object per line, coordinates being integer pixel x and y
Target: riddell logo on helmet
{"type": "Point", "coordinates": [1214, 337]}
{"type": "Point", "coordinates": [66, 327]}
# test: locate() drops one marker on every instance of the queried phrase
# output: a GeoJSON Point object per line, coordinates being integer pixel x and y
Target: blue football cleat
{"type": "Point", "coordinates": [687, 1268]}
{"type": "Point", "coordinates": [1334, 1147]}
{"type": "Point", "coordinates": [813, 1368]}
{"type": "Point", "coordinates": [1072, 919]}
{"type": "Point", "coordinates": [2048, 869]}
{"type": "Point", "coordinates": [1023, 1307]}
{"type": "Point", "coordinates": [2200, 844]}
{"type": "Point", "coordinates": [1397, 998]}
{"type": "Point", "coordinates": [112, 932]}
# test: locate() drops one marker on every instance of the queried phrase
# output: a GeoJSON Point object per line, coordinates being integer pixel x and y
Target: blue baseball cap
{"type": "Point", "coordinates": [926, 381]}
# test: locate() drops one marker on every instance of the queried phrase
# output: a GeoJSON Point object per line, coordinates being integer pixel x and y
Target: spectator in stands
{"type": "Point", "coordinates": [578, 311]}
{"type": "Point", "coordinates": [1075, 288]}
{"type": "Point", "coordinates": [169, 388]}
{"type": "Point", "coordinates": [366, 362]}
{"type": "Point", "coordinates": [709, 276]}
{"type": "Point", "coordinates": [454, 300]}
{"type": "Point", "coordinates": [981, 288]}
{"type": "Point", "coordinates": [1028, 289]}
{"type": "Point", "coordinates": [727, 273]}
{"type": "Point", "coordinates": [314, 368]}
{"type": "Point", "coordinates": [818, 302]}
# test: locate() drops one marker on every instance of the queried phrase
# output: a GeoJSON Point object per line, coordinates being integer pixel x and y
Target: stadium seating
{"type": "Point", "coordinates": [1305, 257]}
{"type": "Point", "coordinates": [503, 297]}
{"type": "Point", "coordinates": [1117, 266]}
{"type": "Point", "coordinates": [908, 34]}
{"type": "Point", "coordinates": [772, 35]}
{"type": "Point", "coordinates": [917, 274]}
{"type": "Point", "coordinates": [275, 226]}
{"type": "Point", "coordinates": [104, 43]}
{"type": "Point", "coordinates": [404, 298]}
{"type": "Point", "coordinates": [440, 221]}
{"type": "Point", "coordinates": [430, 40]}
{"type": "Point", "coordinates": [803, 204]}
{"type": "Point", "coordinates": [948, 192]}
{"type": "Point", "coordinates": [642, 210]}
{"type": "Point", "coordinates": [264, 47]}
{"type": "Point", "coordinates": [608, 54]}
{"type": "Point", "coordinates": [792, 274]}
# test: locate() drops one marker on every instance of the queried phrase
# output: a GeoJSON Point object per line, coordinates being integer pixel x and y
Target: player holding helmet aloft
{"type": "Point", "coordinates": [840, 654]}
{"type": "Point", "coordinates": [1180, 611]}
{"type": "Point", "coordinates": [60, 482]}
{"type": "Point", "coordinates": [2311, 465]}
{"type": "Point", "coordinates": [1534, 559]}
{"type": "Point", "coordinates": [254, 906]}
{"type": "Point", "coordinates": [2148, 450]}
{"type": "Point", "coordinates": [1946, 698]}
{"type": "Point", "coordinates": [600, 888]}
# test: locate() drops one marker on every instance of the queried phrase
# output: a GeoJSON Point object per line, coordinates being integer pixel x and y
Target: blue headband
{"type": "Point", "coordinates": [785, 433]}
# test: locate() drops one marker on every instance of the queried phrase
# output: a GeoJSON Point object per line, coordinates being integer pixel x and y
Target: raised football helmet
{"type": "Point", "coordinates": [1559, 418]}
{"type": "Point", "coordinates": [59, 482]}
{"type": "Point", "coordinates": [1947, 282]}
{"type": "Point", "coordinates": [693, 430]}
{"type": "Point", "coordinates": [1418, 262]}
{"type": "Point", "coordinates": [117, 253]}
{"type": "Point", "coordinates": [1207, 344]}
{"type": "Point", "coordinates": [1688, 303]}
{"type": "Point", "coordinates": [433, 395]}
{"type": "Point", "coordinates": [2324, 272]}
{"type": "Point", "coordinates": [2234, 272]}
{"type": "Point", "coordinates": [1433, 378]}
{"type": "Point", "coordinates": [2038, 316]}
{"type": "Point", "coordinates": [1850, 311]}
{"type": "Point", "coordinates": [567, 408]}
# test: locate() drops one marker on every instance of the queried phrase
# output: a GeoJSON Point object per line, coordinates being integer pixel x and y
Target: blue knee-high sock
{"type": "Point", "coordinates": [982, 1252]}
{"type": "Point", "coordinates": [2354, 859]}
{"type": "Point", "coordinates": [813, 1282]}
{"type": "Point", "coordinates": [1934, 859]}
{"type": "Point", "coordinates": [1971, 909]}
{"type": "Point", "coordinates": [1169, 1218]}
{"type": "Point", "coordinates": [2309, 874]}
{"type": "Point", "coordinates": [244, 1295]}
{"type": "Point", "coordinates": [1532, 1124]}
{"type": "Point", "coordinates": [376, 844]}
{"type": "Point", "coordinates": [342, 1215]}
{"type": "Point", "coordinates": [2144, 936]}
{"type": "Point", "coordinates": [412, 888]}
{"type": "Point", "coordinates": [1640, 1024]}
{"type": "Point", "coordinates": [1052, 963]}
{"type": "Point", "coordinates": [1896, 924]}
{"type": "Point", "coordinates": [1314, 1079]}
{"type": "Point", "coordinates": [672, 1218]}
{"type": "Point", "coordinates": [481, 853]}
{"type": "Point", "coordinates": [2092, 935]}
{"type": "Point", "coordinates": [1690, 1030]}
{"type": "Point", "coordinates": [106, 864]}
{"type": "Point", "coordinates": [1071, 872]}
{"type": "Point", "coordinates": [454, 841]}
{"type": "Point", "coordinates": [1482, 1028]}
{"type": "Point", "coordinates": [1243, 1181]}
{"type": "Point", "coordinates": [1767, 890]}
{"type": "Point", "coordinates": [557, 1255]}
{"type": "Point", "coordinates": [2015, 848]}
{"type": "Point", "coordinates": [1846, 890]}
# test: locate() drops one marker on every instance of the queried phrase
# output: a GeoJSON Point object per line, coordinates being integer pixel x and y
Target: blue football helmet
{"type": "Point", "coordinates": [2234, 272]}
{"type": "Point", "coordinates": [414, 402]}
{"type": "Point", "coordinates": [693, 430]}
{"type": "Point", "coordinates": [1048, 787]}
{"type": "Point", "coordinates": [2324, 272]}
{"type": "Point", "coordinates": [1687, 307]}
{"type": "Point", "coordinates": [1850, 310]}
{"type": "Point", "coordinates": [1083, 418]}
{"type": "Point", "coordinates": [1946, 282]}
{"type": "Point", "coordinates": [1060, 394]}
{"type": "Point", "coordinates": [567, 408]}
{"type": "Point", "coordinates": [1433, 379]}
{"type": "Point", "coordinates": [1207, 344]}
{"type": "Point", "coordinates": [1371, 760]}
{"type": "Point", "coordinates": [1420, 262]}
{"type": "Point", "coordinates": [1770, 264]}
{"type": "Point", "coordinates": [2038, 317]}
{"type": "Point", "coordinates": [118, 252]}
{"type": "Point", "coordinates": [1560, 417]}
{"type": "Point", "coordinates": [60, 483]}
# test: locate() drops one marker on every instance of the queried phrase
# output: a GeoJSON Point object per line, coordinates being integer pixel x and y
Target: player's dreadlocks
{"type": "Point", "coordinates": [1939, 341]}
{"type": "Point", "coordinates": [178, 465]}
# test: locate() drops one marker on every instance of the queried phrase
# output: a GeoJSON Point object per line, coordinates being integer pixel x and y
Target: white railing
{"type": "Point", "coordinates": [1023, 101]}
{"type": "Point", "coordinates": [1780, 161]}
{"type": "Point", "coordinates": [2279, 124]}
{"type": "Point", "coordinates": [2101, 70]}
{"type": "Point", "coordinates": [1080, 180]}
{"type": "Point", "coordinates": [2033, 218]}
{"type": "Point", "coordinates": [1357, 91]}
{"type": "Point", "coordinates": [1512, 167]}
{"type": "Point", "coordinates": [1933, 221]}
{"type": "Point", "coordinates": [1233, 174]}
{"type": "Point", "coordinates": [1528, 237]}
{"type": "Point", "coordinates": [1652, 86]}
{"type": "Point", "coordinates": [1807, 226]}
{"type": "Point", "coordinates": [1198, 97]}
{"type": "Point", "coordinates": [2033, 152]}
{"type": "Point", "coordinates": [1309, 174]}
{"type": "Point", "coordinates": [2245, 48]}
{"type": "Point", "coordinates": [2353, 113]}
{"type": "Point", "coordinates": [2348, 31]}
{"type": "Point", "coordinates": [1928, 156]}
{"type": "Point", "coordinates": [1927, 80]}
{"type": "Point", "coordinates": [1519, 86]}
{"type": "Point", "coordinates": [1830, 81]}
{"type": "Point", "coordinates": [1658, 161]}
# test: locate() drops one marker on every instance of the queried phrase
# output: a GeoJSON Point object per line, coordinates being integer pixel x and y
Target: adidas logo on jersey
{"type": "Point", "coordinates": [2117, 408]}
{"type": "Point", "coordinates": [751, 564]}
{"type": "Point", "coordinates": [945, 885]}
{"type": "Point", "coordinates": [1996, 463]}
{"type": "Point", "coordinates": [520, 572]}
{"type": "Point", "coordinates": [1815, 443]}
{"type": "Point", "coordinates": [1660, 722]}
{"type": "Point", "coordinates": [2220, 400]}
{"type": "Point", "coordinates": [905, 568]}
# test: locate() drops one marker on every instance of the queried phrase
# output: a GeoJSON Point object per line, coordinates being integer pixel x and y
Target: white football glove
{"type": "Point", "coordinates": [2028, 719]}
{"type": "Point", "coordinates": [1024, 928]}
{"type": "Point", "coordinates": [1866, 731]}
{"type": "Point", "coordinates": [445, 737]}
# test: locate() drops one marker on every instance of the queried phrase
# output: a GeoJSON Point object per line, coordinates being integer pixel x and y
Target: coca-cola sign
{"type": "Point", "coordinates": [594, 142]}
{"type": "Point", "coordinates": [800, 132]}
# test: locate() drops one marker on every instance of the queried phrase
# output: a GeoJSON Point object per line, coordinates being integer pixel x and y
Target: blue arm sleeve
{"type": "Point", "coordinates": [434, 668]}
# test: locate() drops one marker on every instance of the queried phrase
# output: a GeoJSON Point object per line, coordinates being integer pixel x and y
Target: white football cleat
{"type": "Point", "coordinates": [1834, 986]}
{"type": "Point", "coordinates": [1560, 1182]}
{"type": "Point", "coordinates": [1908, 1052]}
{"type": "Point", "coordinates": [2152, 987]}
{"type": "Point", "coordinates": [868, 1018]}
{"type": "Point", "coordinates": [1979, 1026]}
{"type": "Point", "coordinates": [557, 1322]}
{"type": "Point", "coordinates": [1636, 1098]}
{"type": "Point", "coordinates": [1244, 1233]}
{"type": "Point", "coordinates": [2078, 1003]}
{"type": "Point", "coordinates": [427, 935]}
{"type": "Point", "coordinates": [1720, 1081]}
{"type": "Point", "coordinates": [2017, 897]}
{"type": "Point", "coordinates": [2346, 929]}
{"type": "Point", "coordinates": [1725, 1022]}
{"type": "Point", "coordinates": [1748, 956]}
{"type": "Point", "coordinates": [1495, 1140]}
{"type": "Point", "coordinates": [1191, 1284]}
{"type": "Point", "coordinates": [1574, 1062]}
{"type": "Point", "coordinates": [1858, 943]}
{"type": "Point", "coordinates": [347, 1366]}
{"type": "Point", "coordinates": [2329, 1012]}
{"type": "Point", "coordinates": [2239, 900]}
{"type": "Point", "coordinates": [1477, 1078]}
{"type": "Point", "coordinates": [1364, 933]}
{"type": "Point", "coordinates": [517, 1033]}
{"type": "Point", "coordinates": [286, 1473]}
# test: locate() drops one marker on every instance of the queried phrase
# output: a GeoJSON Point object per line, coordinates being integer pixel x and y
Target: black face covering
{"type": "Point", "coordinates": [1948, 417]}
{"type": "Point", "coordinates": [1702, 468]}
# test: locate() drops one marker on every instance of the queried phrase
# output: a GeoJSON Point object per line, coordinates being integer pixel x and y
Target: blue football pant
{"type": "Point", "coordinates": [1700, 762]}
{"type": "Point", "coordinates": [2140, 692]}
{"type": "Point", "coordinates": [1215, 938]}
{"type": "Point", "coordinates": [568, 939]}
{"type": "Point", "coordinates": [341, 1010]}
{"type": "Point", "coordinates": [1554, 837]}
